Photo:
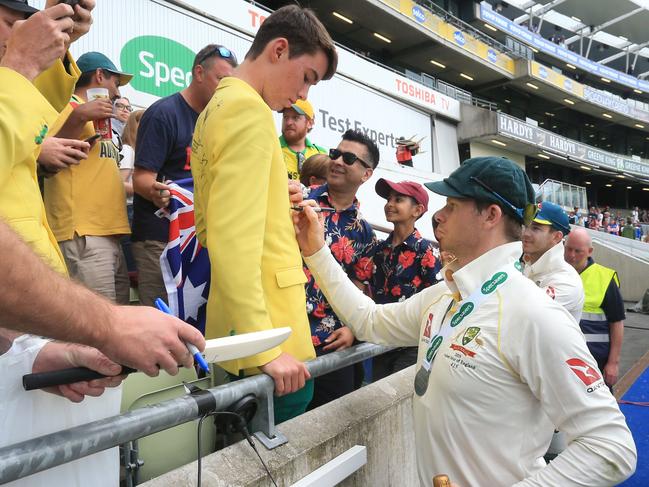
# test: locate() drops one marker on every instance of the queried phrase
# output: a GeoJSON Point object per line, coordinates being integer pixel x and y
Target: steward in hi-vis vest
{"type": "Point", "coordinates": [602, 319]}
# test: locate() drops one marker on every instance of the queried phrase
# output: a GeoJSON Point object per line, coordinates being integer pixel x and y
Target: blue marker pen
{"type": "Point", "coordinates": [162, 306]}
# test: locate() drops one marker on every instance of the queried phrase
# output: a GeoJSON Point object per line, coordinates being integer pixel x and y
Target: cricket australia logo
{"type": "Point", "coordinates": [468, 341]}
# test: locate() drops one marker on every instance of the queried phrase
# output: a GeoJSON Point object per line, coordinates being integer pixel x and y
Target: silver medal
{"type": "Point", "coordinates": [421, 381]}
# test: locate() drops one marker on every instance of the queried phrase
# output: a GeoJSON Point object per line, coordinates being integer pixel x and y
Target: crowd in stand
{"type": "Point", "coordinates": [609, 221]}
{"type": "Point", "coordinates": [106, 181]}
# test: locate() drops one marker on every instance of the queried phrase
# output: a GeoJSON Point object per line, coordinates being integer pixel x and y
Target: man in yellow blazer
{"type": "Point", "coordinates": [242, 204]}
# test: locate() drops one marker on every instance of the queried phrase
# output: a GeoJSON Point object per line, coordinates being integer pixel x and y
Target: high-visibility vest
{"type": "Point", "coordinates": [594, 325]}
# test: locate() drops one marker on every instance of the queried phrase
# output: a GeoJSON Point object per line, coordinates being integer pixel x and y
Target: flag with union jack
{"type": "Point", "coordinates": [184, 262]}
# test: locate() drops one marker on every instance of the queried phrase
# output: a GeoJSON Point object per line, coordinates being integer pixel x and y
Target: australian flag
{"type": "Point", "coordinates": [185, 264]}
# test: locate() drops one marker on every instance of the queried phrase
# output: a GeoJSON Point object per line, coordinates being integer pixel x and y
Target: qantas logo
{"type": "Point", "coordinates": [585, 372]}
{"type": "Point", "coordinates": [550, 292]}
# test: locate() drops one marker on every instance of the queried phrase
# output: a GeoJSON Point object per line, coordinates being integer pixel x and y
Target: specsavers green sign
{"type": "Point", "coordinates": [160, 66]}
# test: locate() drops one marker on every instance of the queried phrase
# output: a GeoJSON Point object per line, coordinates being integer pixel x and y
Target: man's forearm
{"type": "Point", "coordinates": [36, 299]}
{"type": "Point", "coordinates": [616, 330]}
{"type": "Point", "coordinates": [143, 182]}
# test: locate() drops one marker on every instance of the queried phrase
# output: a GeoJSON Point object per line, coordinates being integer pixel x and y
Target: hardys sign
{"type": "Point", "coordinates": [568, 148]}
{"type": "Point", "coordinates": [160, 66]}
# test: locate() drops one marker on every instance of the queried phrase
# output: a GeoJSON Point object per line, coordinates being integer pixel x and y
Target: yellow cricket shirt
{"type": "Point", "coordinates": [87, 199]}
{"type": "Point", "coordinates": [291, 157]}
{"type": "Point", "coordinates": [243, 218]}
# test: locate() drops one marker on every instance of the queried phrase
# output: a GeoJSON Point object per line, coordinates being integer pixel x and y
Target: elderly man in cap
{"type": "Point", "coordinates": [543, 258]}
{"type": "Point", "coordinates": [297, 122]}
{"type": "Point", "coordinates": [499, 361]}
{"type": "Point", "coordinates": [85, 203]}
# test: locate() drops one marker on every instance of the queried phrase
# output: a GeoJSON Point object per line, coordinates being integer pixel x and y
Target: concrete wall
{"type": "Point", "coordinates": [632, 272]}
{"type": "Point", "coordinates": [478, 149]}
{"type": "Point", "coordinates": [476, 122]}
{"type": "Point", "coordinates": [378, 416]}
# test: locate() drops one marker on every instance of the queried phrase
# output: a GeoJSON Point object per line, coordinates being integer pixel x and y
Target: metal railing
{"type": "Point", "coordinates": [38, 454]}
{"type": "Point", "coordinates": [563, 194]}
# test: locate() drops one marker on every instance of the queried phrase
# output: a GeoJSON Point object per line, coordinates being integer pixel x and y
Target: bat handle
{"type": "Point", "coordinates": [42, 380]}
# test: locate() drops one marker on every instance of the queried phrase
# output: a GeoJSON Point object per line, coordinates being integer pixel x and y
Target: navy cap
{"type": "Point", "coordinates": [96, 60]}
{"type": "Point", "coordinates": [552, 214]}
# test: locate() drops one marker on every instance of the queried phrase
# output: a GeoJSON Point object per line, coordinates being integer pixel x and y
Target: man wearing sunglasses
{"type": "Point", "coordinates": [348, 235]}
{"type": "Point", "coordinates": [500, 363]}
{"type": "Point", "coordinates": [163, 153]}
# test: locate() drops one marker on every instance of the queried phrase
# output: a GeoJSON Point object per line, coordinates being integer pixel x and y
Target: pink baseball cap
{"type": "Point", "coordinates": [408, 188]}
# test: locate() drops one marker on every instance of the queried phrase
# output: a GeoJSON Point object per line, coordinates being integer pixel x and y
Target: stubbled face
{"type": "Point", "coordinates": [456, 227]}
{"type": "Point", "coordinates": [400, 208]}
{"type": "Point", "coordinates": [290, 79]}
{"type": "Point", "coordinates": [8, 18]}
{"type": "Point", "coordinates": [537, 239]}
{"type": "Point", "coordinates": [576, 252]}
{"type": "Point", "coordinates": [343, 177]}
{"type": "Point", "coordinates": [294, 126]}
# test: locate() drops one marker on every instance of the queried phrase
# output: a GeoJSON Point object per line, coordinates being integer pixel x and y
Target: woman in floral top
{"type": "Point", "coordinates": [400, 266]}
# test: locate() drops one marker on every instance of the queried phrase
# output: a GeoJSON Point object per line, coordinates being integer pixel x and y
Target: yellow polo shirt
{"type": "Point", "coordinates": [89, 198]}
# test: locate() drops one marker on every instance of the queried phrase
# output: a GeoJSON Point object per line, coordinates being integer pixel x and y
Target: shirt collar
{"type": "Point", "coordinates": [307, 144]}
{"type": "Point", "coordinates": [410, 241]}
{"type": "Point", "coordinates": [465, 280]}
{"type": "Point", "coordinates": [552, 260]}
{"type": "Point", "coordinates": [321, 193]}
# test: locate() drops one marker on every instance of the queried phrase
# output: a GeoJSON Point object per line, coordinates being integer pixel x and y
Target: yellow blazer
{"type": "Point", "coordinates": [243, 218]}
{"type": "Point", "coordinates": [26, 116]}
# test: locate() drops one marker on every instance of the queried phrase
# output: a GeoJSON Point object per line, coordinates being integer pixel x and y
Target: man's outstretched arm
{"type": "Point", "coordinates": [38, 300]}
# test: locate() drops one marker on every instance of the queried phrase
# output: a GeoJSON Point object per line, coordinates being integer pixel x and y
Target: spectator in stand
{"type": "Point", "coordinates": [401, 265]}
{"type": "Point", "coordinates": [613, 227]}
{"type": "Point", "coordinates": [243, 206]}
{"type": "Point", "coordinates": [126, 165]}
{"type": "Point", "coordinates": [86, 204]}
{"type": "Point", "coordinates": [602, 320]}
{"type": "Point", "coordinates": [348, 235]}
{"type": "Point", "coordinates": [635, 215]}
{"type": "Point", "coordinates": [628, 230]}
{"type": "Point", "coordinates": [314, 170]}
{"type": "Point", "coordinates": [121, 110]}
{"type": "Point", "coordinates": [297, 122]}
{"type": "Point", "coordinates": [163, 153]}
{"type": "Point", "coordinates": [572, 217]}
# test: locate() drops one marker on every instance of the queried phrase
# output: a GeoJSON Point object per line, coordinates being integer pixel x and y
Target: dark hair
{"type": "Point", "coordinates": [86, 78]}
{"type": "Point", "coordinates": [303, 31]}
{"type": "Point", "coordinates": [361, 138]}
{"type": "Point", "coordinates": [513, 227]}
{"type": "Point", "coordinates": [206, 56]}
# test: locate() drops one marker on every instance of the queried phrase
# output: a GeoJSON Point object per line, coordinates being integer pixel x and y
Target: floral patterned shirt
{"type": "Point", "coordinates": [394, 274]}
{"type": "Point", "coordinates": [348, 235]}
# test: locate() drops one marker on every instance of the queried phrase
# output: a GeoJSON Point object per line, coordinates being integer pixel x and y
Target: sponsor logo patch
{"type": "Point", "coordinates": [587, 374]}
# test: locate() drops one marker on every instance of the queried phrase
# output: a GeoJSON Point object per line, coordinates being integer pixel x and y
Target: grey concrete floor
{"type": "Point", "coordinates": [636, 339]}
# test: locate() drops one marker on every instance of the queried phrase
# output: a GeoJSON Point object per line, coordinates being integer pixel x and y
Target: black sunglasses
{"type": "Point", "coordinates": [223, 52]}
{"type": "Point", "coordinates": [349, 158]}
{"type": "Point", "coordinates": [526, 214]}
